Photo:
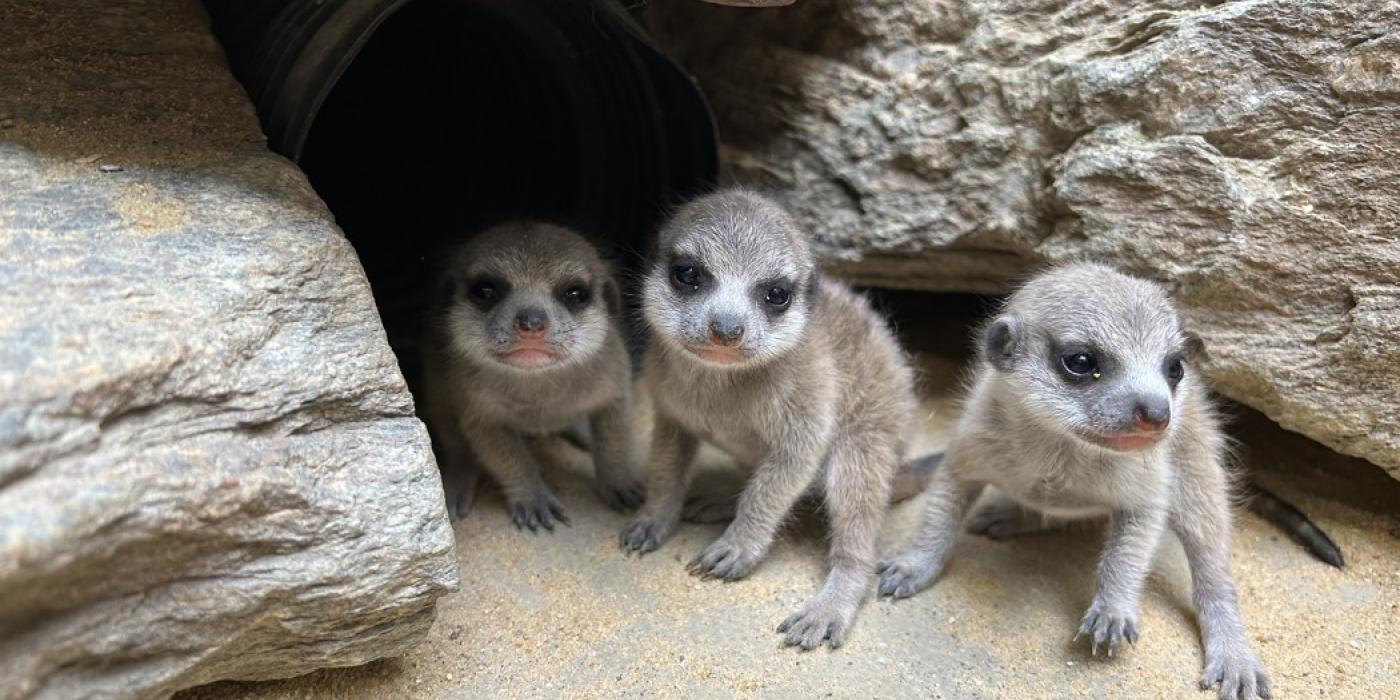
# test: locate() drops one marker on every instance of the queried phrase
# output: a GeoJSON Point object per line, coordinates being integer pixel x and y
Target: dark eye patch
{"type": "Point", "coordinates": [687, 275]}
{"type": "Point", "coordinates": [776, 294]}
{"type": "Point", "coordinates": [1080, 363]}
{"type": "Point", "coordinates": [1174, 368]}
{"type": "Point", "coordinates": [575, 295]}
{"type": "Point", "coordinates": [485, 291]}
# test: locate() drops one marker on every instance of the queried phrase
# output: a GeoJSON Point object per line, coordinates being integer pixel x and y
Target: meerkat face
{"type": "Point", "coordinates": [529, 297]}
{"type": "Point", "coordinates": [732, 282]}
{"type": "Point", "coordinates": [1094, 354]}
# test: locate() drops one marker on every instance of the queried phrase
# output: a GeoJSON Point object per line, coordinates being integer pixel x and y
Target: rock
{"type": "Point", "coordinates": [1239, 152]}
{"type": "Point", "coordinates": [209, 463]}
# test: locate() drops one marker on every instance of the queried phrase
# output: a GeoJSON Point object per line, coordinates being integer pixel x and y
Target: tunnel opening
{"type": "Point", "coordinates": [419, 122]}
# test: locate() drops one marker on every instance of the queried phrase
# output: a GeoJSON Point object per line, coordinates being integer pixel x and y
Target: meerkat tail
{"type": "Point", "coordinates": [1288, 518]}
{"type": "Point", "coordinates": [578, 437]}
{"type": "Point", "coordinates": [913, 476]}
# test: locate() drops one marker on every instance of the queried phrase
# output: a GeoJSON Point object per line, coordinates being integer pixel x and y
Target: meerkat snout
{"type": "Point", "coordinates": [1151, 414]}
{"type": "Point", "coordinates": [531, 324]}
{"type": "Point", "coordinates": [1131, 418]}
{"type": "Point", "coordinates": [726, 330]}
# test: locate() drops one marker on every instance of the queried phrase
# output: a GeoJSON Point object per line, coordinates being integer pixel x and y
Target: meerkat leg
{"type": "Point", "coordinates": [1003, 518]}
{"type": "Point", "coordinates": [767, 498]}
{"type": "Point", "coordinates": [614, 482]}
{"type": "Point", "coordinates": [1230, 660]}
{"type": "Point", "coordinates": [507, 457]}
{"type": "Point", "coordinates": [1202, 523]}
{"type": "Point", "coordinates": [947, 503]}
{"type": "Point", "coordinates": [856, 501]}
{"type": "Point", "coordinates": [460, 474]}
{"type": "Point", "coordinates": [1133, 537]}
{"type": "Point", "coordinates": [672, 454]}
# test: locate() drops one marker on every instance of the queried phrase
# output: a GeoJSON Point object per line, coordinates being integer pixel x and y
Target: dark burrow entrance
{"type": "Point", "coordinates": [419, 121]}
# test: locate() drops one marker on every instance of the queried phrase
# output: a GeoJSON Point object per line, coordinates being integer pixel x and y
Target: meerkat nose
{"type": "Point", "coordinates": [530, 324]}
{"type": "Point", "coordinates": [726, 330]}
{"type": "Point", "coordinates": [1152, 413]}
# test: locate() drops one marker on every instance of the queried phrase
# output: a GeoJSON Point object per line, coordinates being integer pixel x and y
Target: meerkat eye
{"type": "Point", "coordinates": [485, 291]}
{"type": "Point", "coordinates": [1080, 363]}
{"type": "Point", "coordinates": [686, 276]}
{"type": "Point", "coordinates": [1175, 370]}
{"type": "Point", "coordinates": [778, 297]}
{"type": "Point", "coordinates": [576, 297]}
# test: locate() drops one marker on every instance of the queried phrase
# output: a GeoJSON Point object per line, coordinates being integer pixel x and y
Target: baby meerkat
{"type": "Point", "coordinates": [790, 373]}
{"type": "Point", "coordinates": [1084, 405]}
{"type": "Point", "coordinates": [527, 344]}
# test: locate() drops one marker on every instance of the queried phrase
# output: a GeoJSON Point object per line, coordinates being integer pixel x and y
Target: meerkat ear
{"type": "Point", "coordinates": [1001, 341]}
{"type": "Point", "coordinates": [612, 297]}
{"type": "Point", "coordinates": [1193, 347]}
{"type": "Point", "coordinates": [448, 288]}
{"type": "Point", "coordinates": [810, 287]}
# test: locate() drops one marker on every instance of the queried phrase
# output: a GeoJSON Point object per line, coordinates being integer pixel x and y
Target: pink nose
{"type": "Point", "coordinates": [725, 341]}
{"type": "Point", "coordinates": [531, 324]}
{"type": "Point", "coordinates": [1148, 419]}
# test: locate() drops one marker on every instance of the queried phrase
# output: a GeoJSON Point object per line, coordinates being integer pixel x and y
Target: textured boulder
{"type": "Point", "coordinates": [209, 463]}
{"type": "Point", "coordinates": [1243, 153]}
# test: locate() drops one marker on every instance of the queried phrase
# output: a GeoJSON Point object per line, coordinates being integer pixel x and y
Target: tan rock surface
{"type": "Point", "coordinates": [209, 463]}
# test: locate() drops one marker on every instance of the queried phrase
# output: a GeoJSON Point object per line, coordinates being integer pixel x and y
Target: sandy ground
{"type": "Point", "coordinates": [567, 615]}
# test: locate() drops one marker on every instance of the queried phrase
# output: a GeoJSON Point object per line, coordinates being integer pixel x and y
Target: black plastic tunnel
{"type": "Point", "coordinates": [420, 120]}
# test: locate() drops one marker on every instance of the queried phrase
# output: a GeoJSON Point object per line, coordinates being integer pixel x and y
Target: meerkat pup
{"type": "Point", "coordinates": [528, 343]}
{"type": "Point", "coordinates": [1084, 405]}
{"type": "Point", "coordinates": [790, 373]}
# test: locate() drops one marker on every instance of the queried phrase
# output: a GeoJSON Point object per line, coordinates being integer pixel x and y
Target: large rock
{"type": "Point", "coordinates": [1241, 152]}
{"type": "Point", "coordinates": [209, 464]}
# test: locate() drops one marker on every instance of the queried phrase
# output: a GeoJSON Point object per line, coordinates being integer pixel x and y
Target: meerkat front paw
{"type": "Point", "coordinates": [906, 574]}
{"type": "Point", "coordinates": [620, 494]}
{"type": "Point", "coordinates": [821, 619]}
{"type": "Point", "coordinates": [726, 559]}
{"type": "Point", "coordinates": [1238, 673]}
{"type": "Point", "coordinates": [536, 510]}
{"type": "Point", "coordinates": [644, 534]}
{"type": "Point", "coordinates": [1108, 627]}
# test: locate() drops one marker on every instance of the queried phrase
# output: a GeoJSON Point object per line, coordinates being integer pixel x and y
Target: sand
{"type": "Point", "coordinates": [567, 615]}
